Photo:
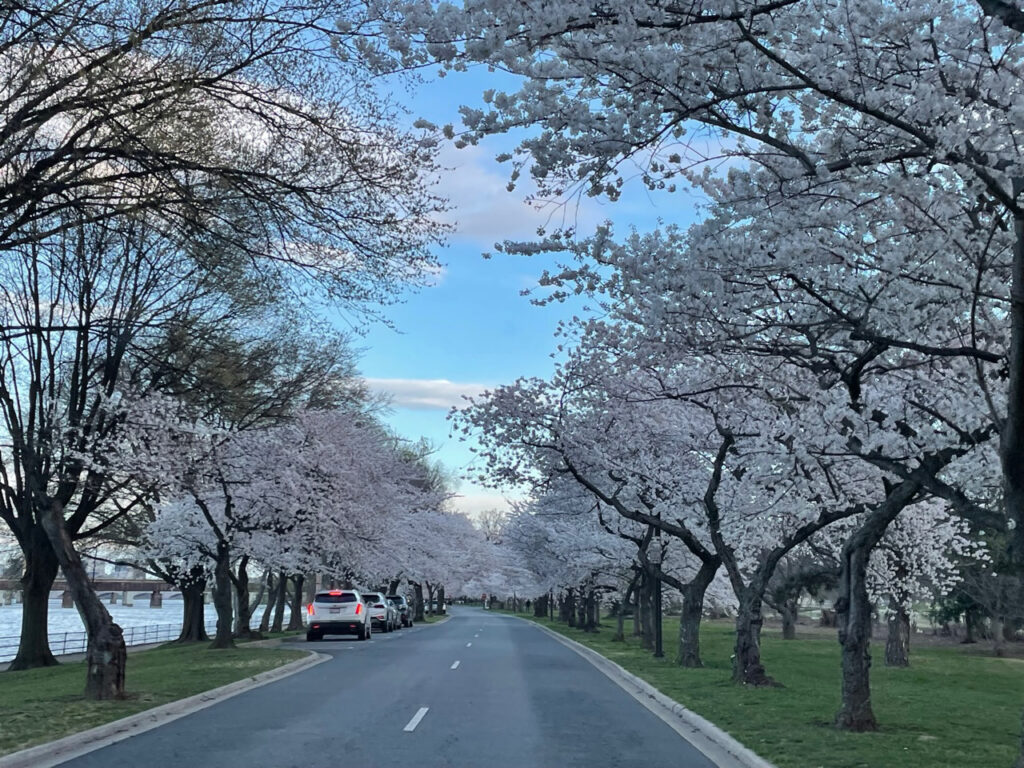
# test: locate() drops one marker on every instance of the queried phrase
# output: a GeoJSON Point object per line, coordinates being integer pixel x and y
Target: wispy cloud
{"type": "Point", "coordinates": [472, 504]}
{"type": "Point", "coordinates": [425, 394]}
{"type": "Point", "coordinates": [484, 211]}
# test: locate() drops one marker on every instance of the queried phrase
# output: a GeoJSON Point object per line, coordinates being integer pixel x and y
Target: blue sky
{"type": "Point", "coordinates": [474, 329]}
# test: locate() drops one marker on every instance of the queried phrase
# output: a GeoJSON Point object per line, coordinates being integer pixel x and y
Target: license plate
{"type": "Point", "coordinates": [335, 610]}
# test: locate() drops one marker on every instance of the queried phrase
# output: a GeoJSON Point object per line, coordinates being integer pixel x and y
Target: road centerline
{"type": "Point", "coordinates": [411, 726]}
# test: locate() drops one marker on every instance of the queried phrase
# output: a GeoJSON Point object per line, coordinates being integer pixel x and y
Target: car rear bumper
{"type": "Point", "coordinates": [336, 627]}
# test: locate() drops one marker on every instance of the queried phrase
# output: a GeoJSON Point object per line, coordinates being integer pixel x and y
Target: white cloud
{"type": "Point", "coordinates": [472, 504]}
{"type": "Point", "coordinates": [485, 212]}
{"type": "Point", "coordinates": [425, 394]}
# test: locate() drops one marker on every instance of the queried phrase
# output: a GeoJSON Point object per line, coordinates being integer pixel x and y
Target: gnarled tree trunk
{"type": "Point", "coordinates": [790, 610]}
{"type": "Point", "coordinates": [40, 571]}
{"type": "Point", "coordinates": [280, 598]}
{"type": "Point", "coordinates": [441, 610]}
{"type": "Point", "coordinates": [897, 645]}
{"type": "Point", "coordinates": [418, 608]}
{"type": "Point", "coordinates": [688, 653]}
{"type": "Point", "coordinates": [295, 617]}
{"type": "Point", "coordinates": [105, 655]}
{"type": "Point", "coordinates": [222, 597]}
{"type": "Point", "coordinates": [853, 610]}
{"type": "Point", "coordinates": [270, 586]}
{"type": "Point", "coordinates": [193, 620]}
{"type": "Point", "coordinates": [243, 617]}
{"type": "Point", "coordinates": [746, 666]}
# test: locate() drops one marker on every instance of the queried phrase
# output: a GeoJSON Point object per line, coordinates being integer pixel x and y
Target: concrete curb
{"type": "Point", "coordinates": [717, 745]}
{"type": "Point", "coordinates": [77, 744]}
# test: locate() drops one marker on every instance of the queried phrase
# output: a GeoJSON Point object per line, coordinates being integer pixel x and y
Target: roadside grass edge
{"type": "Point", "coordinates": [76, 744]}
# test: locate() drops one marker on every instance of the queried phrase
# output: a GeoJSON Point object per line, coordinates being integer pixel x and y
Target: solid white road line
{"type": "Point", "coordinates": [455, 665]}
{"type": "Point", "coordinates": [468, 645]}
{"type": "Point", "coordinates": [416, 719]}
{"type": "Point", "coordinates": [477, 635]}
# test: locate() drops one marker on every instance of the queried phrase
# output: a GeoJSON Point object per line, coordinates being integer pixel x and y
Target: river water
{"type": "Point", "coordinates": [140, 623]}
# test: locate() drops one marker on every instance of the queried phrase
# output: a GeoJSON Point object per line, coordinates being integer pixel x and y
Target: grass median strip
{"type": "Point", "coordinates": [42, 705]}
{"type": "Point", "coordinates": [948, 709]}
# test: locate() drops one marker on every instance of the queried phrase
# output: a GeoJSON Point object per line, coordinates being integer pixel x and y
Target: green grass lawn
{"type": "Point", "coordinates": [949, 708]}
{"type": "Point", "coordinates": [41, 705]}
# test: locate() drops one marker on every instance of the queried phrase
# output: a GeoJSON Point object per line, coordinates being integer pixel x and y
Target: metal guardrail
{"type": "Point", "coordinates": [63, 643]}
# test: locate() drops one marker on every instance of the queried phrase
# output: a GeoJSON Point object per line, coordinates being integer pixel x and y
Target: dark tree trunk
{"type": "Point", "coordinates": [998, 637]}
{"type": "Point", "coordinates": [581, 611]}
{"type": "Point", "coordinates": [1011, 436]}
{"type": "Point", "coordinates": [270, 586]}
{"type": "Point", "coordinates": [40, 572]}
{"type": "Point", "coordinates": [393, 586]}
{"type": "Point", "coordinates": [295, 617]}
{"type": "Point", "coordinates": [222, 597]}
{"type": "Point", "coordinates": [280, 599]}
{"type": "Point", "coordinates": [243, 617]}
{"type": "Point", "coordinates": [688, 653]}
{"type": "Point", "coordinates": [647, 614]}
{"type": "Point", "coordinates": [638, 626]}
{"type": "Point", "coordinates": [790, 610]}
{"type": "Point", "coordinates": [417, 593]}
{"type": "Point", "coordinates": [853, 613]}
{"type": "Point", "coordinates": [970, 622]}
{"type": "Point", "coordinates": [897, 645]}
{"type": "Point", "coordinates": [430, 597]}
{"type": "Point", "coordinates": [746, 666]}
{"type": "Point", "coordinates": [540, 607]}
{"type": "Point", "coordinates": [193, 620]}
{"type": "Point", "coordinates": [105, 655]}
{"type": "Point", "coordinates": [440, 601]}
{"type": "Point", "coordinates": [853, 610]}
{"type": "Point", "coordinates": [570, 606]}
{"type": "Point", "coordinates": [620, 623]}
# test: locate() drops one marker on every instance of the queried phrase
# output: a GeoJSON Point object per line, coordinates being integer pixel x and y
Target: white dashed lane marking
{"type": "Point", "coordinates": [468, 645]}
{"type": "Point", "coordinates": [416, 719]}
{"type": "Point", "coordinates": [455, 665]}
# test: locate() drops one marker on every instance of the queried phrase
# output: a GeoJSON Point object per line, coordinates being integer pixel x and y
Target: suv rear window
{"type": "Point", "coordinates": [327, 597]}
{"type": "Point", "coordinates": [398, 600]}
{"type": "Point", "coordinates": [373, 597]}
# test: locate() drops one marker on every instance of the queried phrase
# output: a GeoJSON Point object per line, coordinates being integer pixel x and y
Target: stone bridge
{"type": "Point", "coordinates": [127, 589]}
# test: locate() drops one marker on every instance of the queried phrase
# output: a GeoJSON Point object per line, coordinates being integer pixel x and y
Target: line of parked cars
{"type": "Point", "coordinates": [351, 612]}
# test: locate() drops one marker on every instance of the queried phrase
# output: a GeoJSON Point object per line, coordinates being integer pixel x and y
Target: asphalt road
{"type": "Point", "coordinates": [481, 690]}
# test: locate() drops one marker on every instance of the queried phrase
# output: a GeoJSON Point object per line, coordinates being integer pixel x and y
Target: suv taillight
{"type": "Point", "coordinates": [359, 608]}
{"type": "Point", "coordinates": [310, 610]}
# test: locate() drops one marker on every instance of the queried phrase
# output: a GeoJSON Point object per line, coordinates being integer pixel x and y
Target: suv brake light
{"type": "Point", "coordinates": [379, 605]}
{"type": "Point", "coordinates": [309, 609]}
{"type": "Point", "coordinates": [359, 608]}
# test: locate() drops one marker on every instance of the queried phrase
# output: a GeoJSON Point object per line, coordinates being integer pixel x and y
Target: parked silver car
{"type": "Point", "coordinates": [404, 609]}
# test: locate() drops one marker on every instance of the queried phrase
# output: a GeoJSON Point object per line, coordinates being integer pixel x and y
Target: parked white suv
{"type": "Point", "coordinates": [383, 613]}
{"type": "Point", "coordinates": [338, 612]}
